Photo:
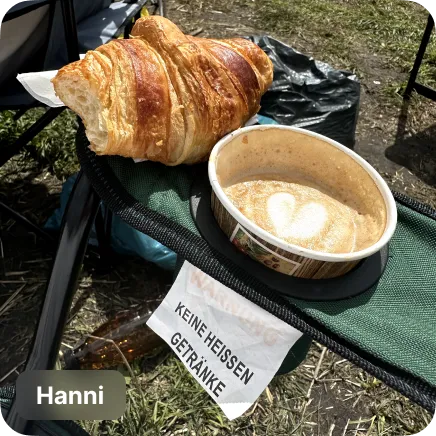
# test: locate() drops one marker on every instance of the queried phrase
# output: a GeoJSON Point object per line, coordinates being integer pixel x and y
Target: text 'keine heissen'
{"type": "Point", "coordinates": [198, 363]}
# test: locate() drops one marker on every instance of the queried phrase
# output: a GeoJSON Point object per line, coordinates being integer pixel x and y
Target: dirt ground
{"type": "Point", "coordinates": [326, 395]}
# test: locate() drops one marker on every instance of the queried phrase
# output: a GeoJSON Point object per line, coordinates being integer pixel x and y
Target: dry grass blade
{"type": "Point", "coordinates": [196, 31]}
{"type": "Point", "coordinates": [332, 427]}
{"type": "Point", "coordinates": [316, 372]}
{"type": "Point", "coordinates": [12, 371]}
{"type": "Point", "coordinates": [5, 306]}
{"type": "Point", "coordinates": [346, 427]}
{"type": "Point", "coordinates": [16, 273]}
{"type": "Point", "coordinates": [110, 341]}
{"type": "Point", "coordinates": [38, 260]}
{"type": "Point", "coordinates": [253, 409]}
{"type": "Point", "coordinates": [269, 395]}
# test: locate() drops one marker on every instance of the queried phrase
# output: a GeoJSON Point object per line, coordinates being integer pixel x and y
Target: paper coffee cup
{"type": "Point", "coordinates": [320, 156]}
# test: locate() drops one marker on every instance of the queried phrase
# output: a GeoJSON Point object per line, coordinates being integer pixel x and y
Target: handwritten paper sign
{"type": "Point", "coordinates": [232, 347]}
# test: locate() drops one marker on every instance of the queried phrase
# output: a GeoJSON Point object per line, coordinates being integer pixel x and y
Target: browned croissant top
{"type": "Point", "coordinates": [163, 95]}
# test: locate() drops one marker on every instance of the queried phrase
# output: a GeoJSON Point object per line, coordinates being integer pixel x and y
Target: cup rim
{"type": "Point", "coordinates": [391, 209]}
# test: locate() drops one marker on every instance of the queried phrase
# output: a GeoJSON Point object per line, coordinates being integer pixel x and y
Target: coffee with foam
{"type": "Point", "coordinates": [302, 214]}
{"type": "Point", "coordinates": [305, 192]}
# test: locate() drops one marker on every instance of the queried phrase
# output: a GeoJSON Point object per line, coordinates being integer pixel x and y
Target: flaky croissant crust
{"type": "Point", "coordinates": [162, 95]}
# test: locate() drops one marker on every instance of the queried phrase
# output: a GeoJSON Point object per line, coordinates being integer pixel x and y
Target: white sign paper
{"type": "Point", "coordinates": [232, 347]}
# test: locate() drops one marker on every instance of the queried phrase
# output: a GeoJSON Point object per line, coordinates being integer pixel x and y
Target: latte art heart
{"type": "Point", "coordinates": [280, 209]}
{"type": "Point", "coordinates": [303, 223]}
{"type": "Point", "coordinates": [302, 213]}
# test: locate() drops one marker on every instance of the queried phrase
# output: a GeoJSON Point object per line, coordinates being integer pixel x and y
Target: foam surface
{"type": "Point", "coordinates": [304, 213]}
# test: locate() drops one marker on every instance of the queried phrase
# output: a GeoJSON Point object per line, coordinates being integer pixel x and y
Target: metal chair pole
{"type": "Point", "coordinates": [419, 58]}
{"type": "Point", "coordinates": [76, 226]}
{"type": "Point", "coordinates": [8, 151]}
{"type": "Point", "coordinates": [162, 8]}
{"type": "Point", "coordinates": [70, 27]}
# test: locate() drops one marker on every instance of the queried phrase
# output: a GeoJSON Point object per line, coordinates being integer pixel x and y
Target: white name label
{"type": "Point", "coordinates": [232, 347]}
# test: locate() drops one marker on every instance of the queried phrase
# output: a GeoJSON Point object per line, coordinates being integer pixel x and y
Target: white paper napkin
{"type": "Point", "coordinates": [39, 86]}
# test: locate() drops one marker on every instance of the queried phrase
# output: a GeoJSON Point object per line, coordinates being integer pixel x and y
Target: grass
{"type": "Point", "coordinates": [167, 400]}
{"type": "Point", "coordinates": [342, 31]}
{"type": "Point", "coordinates": [53, 148]}
{"type": "Point", "coordinates": [377, 38]}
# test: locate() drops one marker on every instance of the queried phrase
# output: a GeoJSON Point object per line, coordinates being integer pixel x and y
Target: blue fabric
{"type": "Point", "coordinates": [125, 239]}
{"type": "Point", "coordinates": [261, 119]}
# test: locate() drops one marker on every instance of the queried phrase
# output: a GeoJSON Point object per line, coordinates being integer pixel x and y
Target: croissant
{"type": "Point", "coordinates": [162, 95]}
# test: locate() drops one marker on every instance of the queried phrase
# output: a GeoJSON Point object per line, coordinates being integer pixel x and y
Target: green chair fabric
{"type": "Point", "coordinates": [390, 330]}
{"type": "Point", "coordinates": [394, 321]}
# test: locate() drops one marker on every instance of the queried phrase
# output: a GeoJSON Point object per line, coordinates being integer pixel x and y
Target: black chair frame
{"type": "Point", "coordinates": [421, 89]}
{"type": "Point", "coordinates": [82, 211]}
{"type": "Point", "coordinates": [10, 150]}
{"type": "Point", "coordinates": [7, 151]}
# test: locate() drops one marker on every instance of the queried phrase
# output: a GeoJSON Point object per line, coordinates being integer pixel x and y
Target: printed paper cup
{"type": "Point", "coordinates": [313, 153]}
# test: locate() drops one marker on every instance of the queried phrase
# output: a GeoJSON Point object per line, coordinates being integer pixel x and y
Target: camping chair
{"type": "Point", "coordinates": [38, 15]}
{"type": "Point", "coordinates": [60, 30]}
{"type": "Point", "coordinates": [423, 90]}
{"type": "Point", "coordinates": [365, 329]}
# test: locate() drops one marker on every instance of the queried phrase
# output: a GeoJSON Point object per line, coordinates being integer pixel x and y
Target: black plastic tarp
{"type": "Point", "coordinates": [310, 94]}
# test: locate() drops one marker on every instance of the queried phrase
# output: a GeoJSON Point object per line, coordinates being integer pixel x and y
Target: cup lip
{"type": "Point", "coordinates": [391, 209]}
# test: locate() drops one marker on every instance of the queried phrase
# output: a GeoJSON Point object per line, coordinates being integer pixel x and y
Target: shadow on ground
{"type": "Point", "coordinates": [416, 152]}
{"type": "Point", "coordinates": [32, 193]}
